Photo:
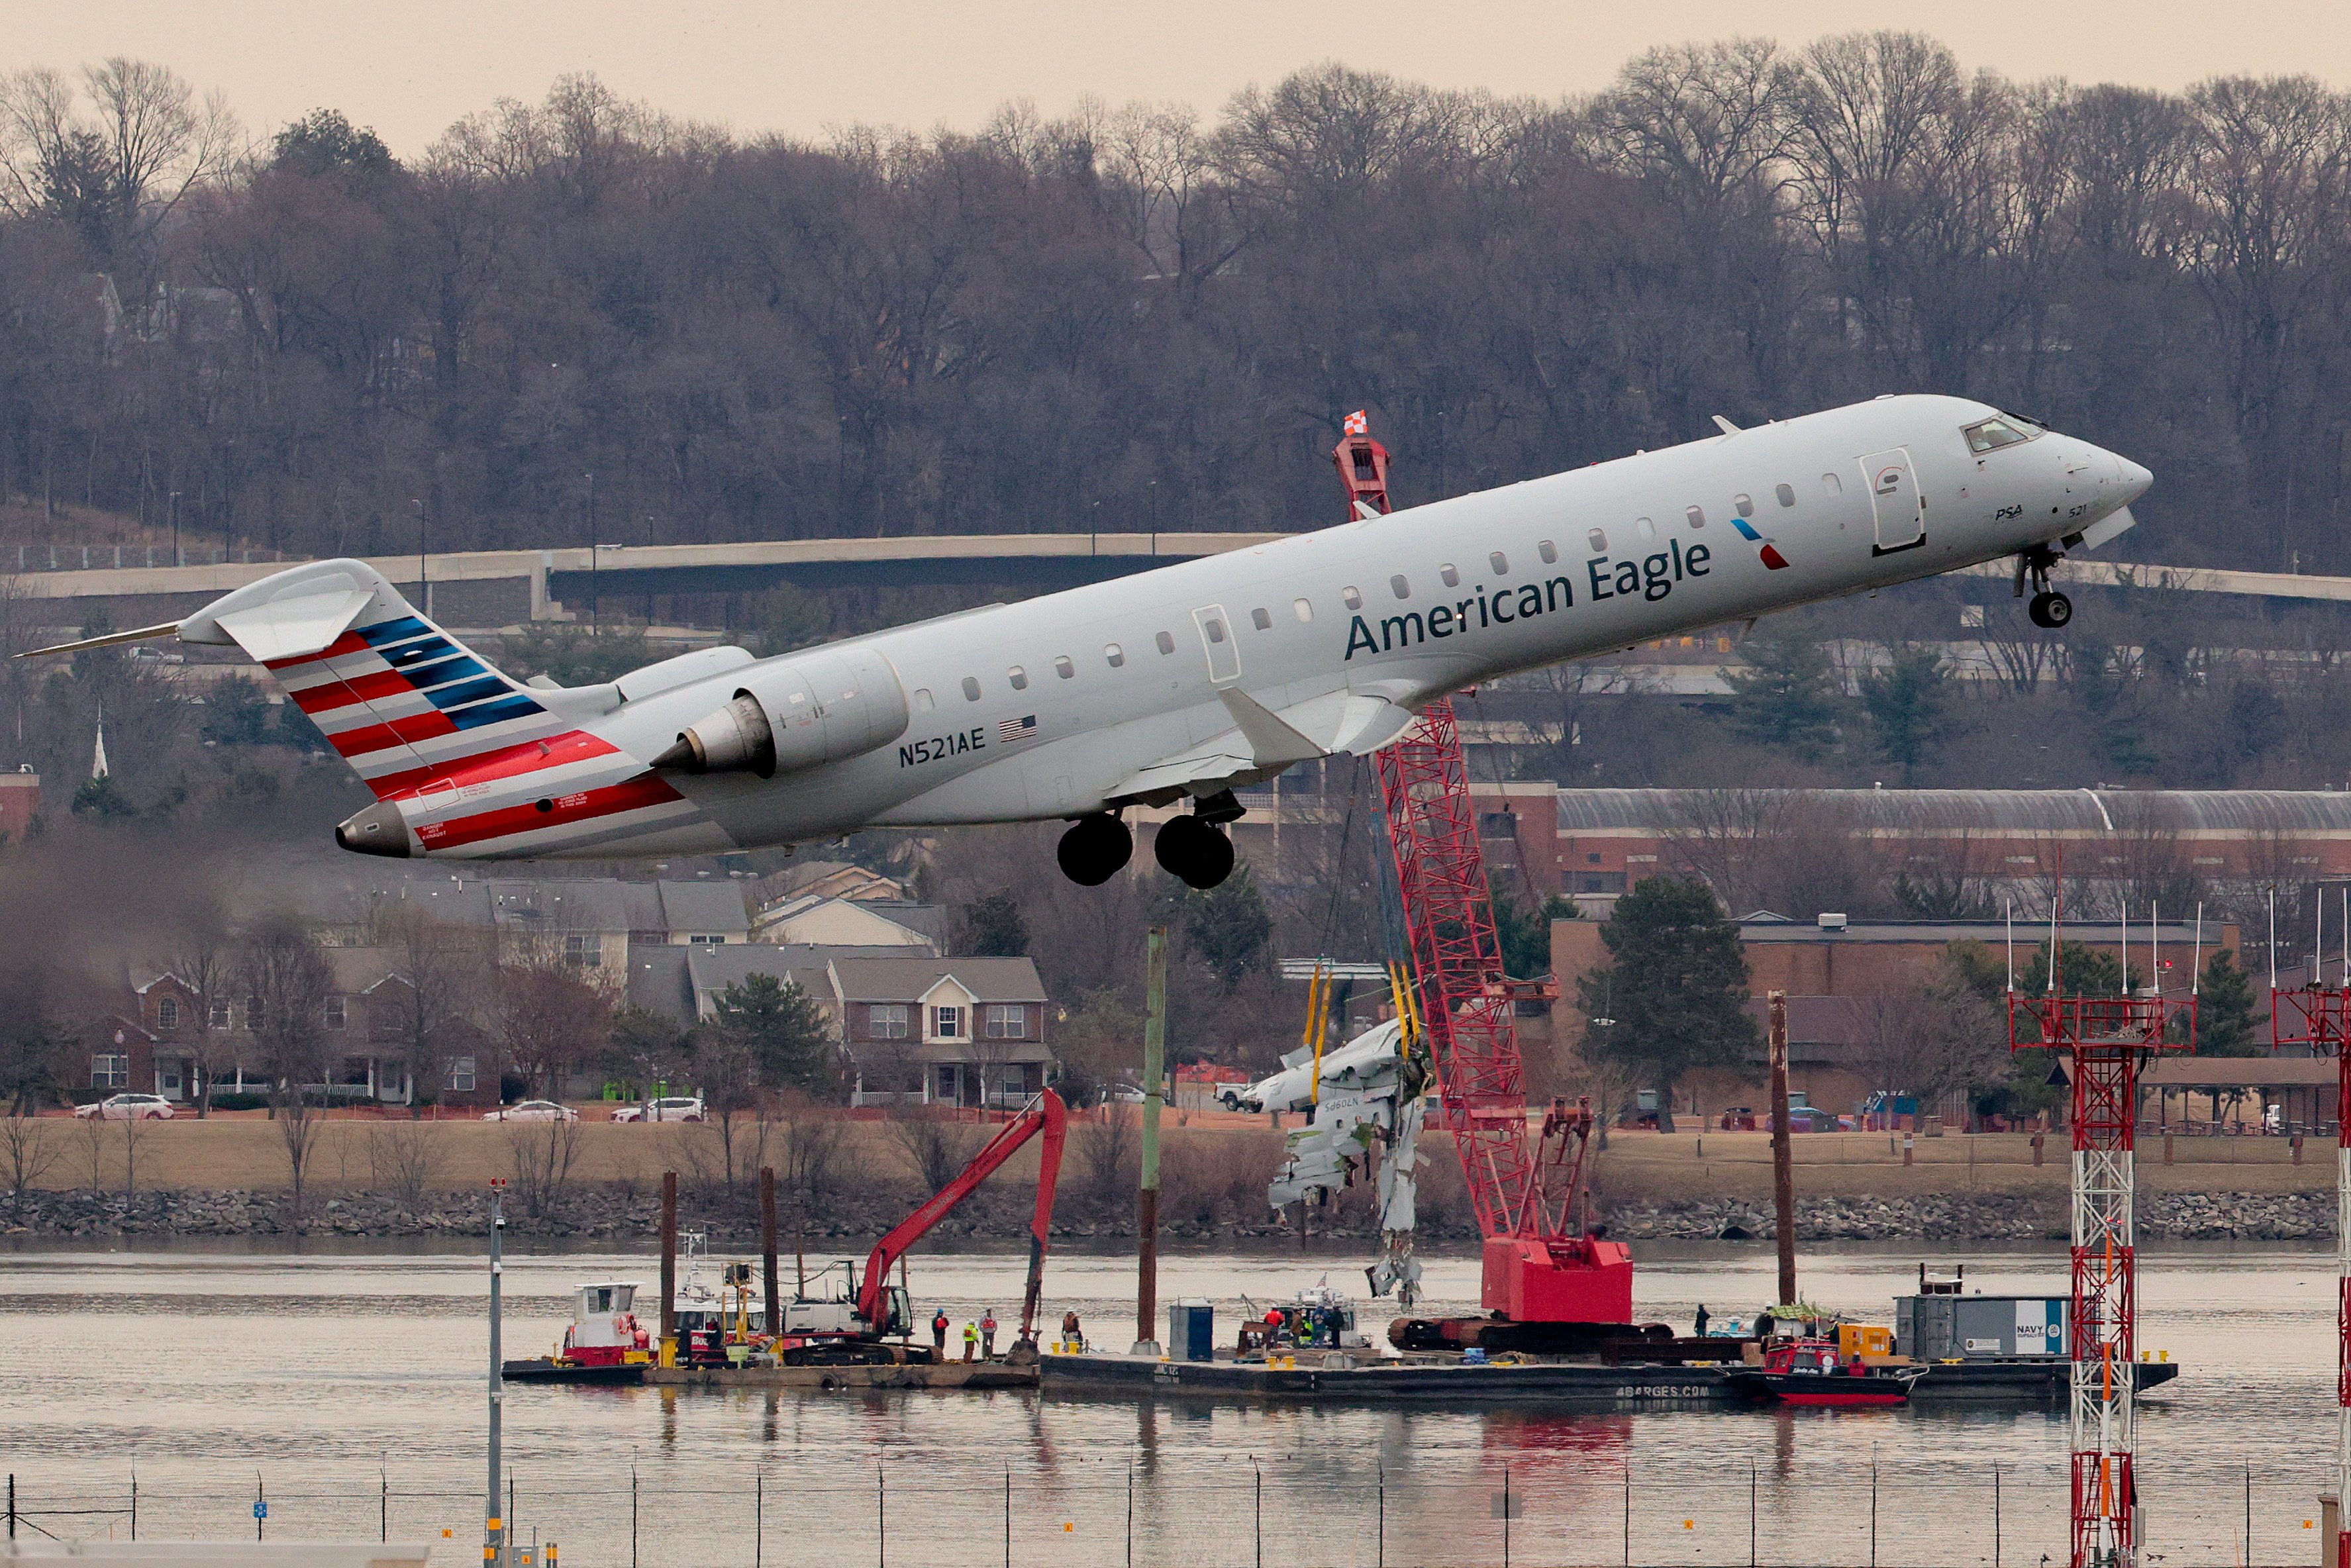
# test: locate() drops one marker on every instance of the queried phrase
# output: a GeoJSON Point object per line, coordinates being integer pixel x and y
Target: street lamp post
{"type": "Point", "coordinates": [494, 1531]}
{"type": "Point", "coordinates": [175, 530]}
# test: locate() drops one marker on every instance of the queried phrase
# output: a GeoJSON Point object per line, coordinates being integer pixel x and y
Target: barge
{"type": "Point", "coordinates": [1571, 1385]}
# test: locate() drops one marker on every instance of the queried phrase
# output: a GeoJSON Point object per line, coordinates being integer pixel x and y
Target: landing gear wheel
{"type": "Point", "coordinates": [1194, 852]}
{"type": "Point", "coordinates": [1095, 849]}
{"type": "Point", "coordinates": [2050, 609]}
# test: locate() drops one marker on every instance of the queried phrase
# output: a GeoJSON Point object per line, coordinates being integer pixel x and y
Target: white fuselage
{"type": "Point", "coordinates": [1064, 704]}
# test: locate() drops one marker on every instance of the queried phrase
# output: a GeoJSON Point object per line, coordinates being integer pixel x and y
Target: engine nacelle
{"type": "Point", "coordinates": [818, 707]}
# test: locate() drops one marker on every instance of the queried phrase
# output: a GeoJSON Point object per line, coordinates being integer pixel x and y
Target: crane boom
{"type": "Point", "coordinates": [1535, 1272]}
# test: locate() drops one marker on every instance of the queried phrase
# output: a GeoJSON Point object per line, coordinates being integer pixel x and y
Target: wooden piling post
{"type": "Point", "coordinates": [669, 1266]}
{"type": "Point", "coordinates": [768, 1248]}
{"type": "Point", "coordinates": [1783, 1175]}
{"type": "Point", "coordinates": [1146, 1199]}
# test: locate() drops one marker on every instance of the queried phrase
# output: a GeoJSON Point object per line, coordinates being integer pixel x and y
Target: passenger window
{"type": "Point", "coordinates": [1500, 562]}
{"type": "Point", "coordinates": [1598, 542]}
{"type": "Point", "coordinates": [1063, 668]}
{"type": "Point", "coordinates": [971, 688]}
{"type": "Point", "coordinates": [1261, 618]}
{"type": "Point", "coordinates": [1215, 629]}
{"type": "Point", "coordinates": [1648, 529]}
{"type": "Point", "coordinates": [1114, 654]}
{"type": "Point", "coordinates": [1403, 588]}
{"type": "Point", "coordinates": [1697, 516]}
{"type": "Point", "coordinates": [1019, 679]}
{"type": "Point", "coordinates": [1787, 494]}
{"type": "Point", "coordinates": [923, 699]}
{"type": "Point", "coordinates": [1831, 485]}
{"type": "Point", "coordinates": [1451, 578]}
{"type": "Point", "coordinates": [1549, 552]}
{"type": "Point", "coordinates": [1167, 644]}
{"type": "Point", "coordinates": [1303, 608]}
{"type": "Point", "coordinates": [1743, 505]}
{"type": "Point", "coordinates": [1351, 598]}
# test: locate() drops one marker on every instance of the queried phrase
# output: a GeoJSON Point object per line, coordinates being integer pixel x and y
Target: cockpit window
{"type": "Point", "coordinates": [1986, 434]}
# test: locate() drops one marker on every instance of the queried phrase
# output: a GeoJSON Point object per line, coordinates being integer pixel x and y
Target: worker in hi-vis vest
{"type": "Point", "coordinates": [970, 1339]}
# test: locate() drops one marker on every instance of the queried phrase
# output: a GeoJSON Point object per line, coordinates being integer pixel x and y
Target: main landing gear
{"type": "Point", "coordinates": [2049, 609]}
{"type": "Point", "coordinates": [1095, 849]}
{"type": "Point", "coordinates": [1189, 847]}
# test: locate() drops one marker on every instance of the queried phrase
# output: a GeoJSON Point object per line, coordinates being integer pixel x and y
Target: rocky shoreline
{"type": "Point", "coordinates": [633, 1216]}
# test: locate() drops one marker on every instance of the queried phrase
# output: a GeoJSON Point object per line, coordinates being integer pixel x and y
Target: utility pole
{"type": "Point", "coordinates": [1146, 1200]}
{"type": "Point", "coordinates": [175, 530]}
{"type": "Point", "coordinates": [667, 1354]}
{"type": "Point", "coordinates": [1783, 1175]}
{"type": "Point", "coordinates": [493, 1532]}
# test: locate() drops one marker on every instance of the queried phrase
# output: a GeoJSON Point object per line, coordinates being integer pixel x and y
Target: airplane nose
{"type": "Point", "coordinates": [378, 831]}
{"type": "Point", "coordinates": [2136, 480]}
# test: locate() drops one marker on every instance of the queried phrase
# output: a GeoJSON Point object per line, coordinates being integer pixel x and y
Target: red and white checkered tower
{"type": "Point", "coordinates": [2102, 1042]}
{"type": "Point", "coordinates": [2318, 1016]}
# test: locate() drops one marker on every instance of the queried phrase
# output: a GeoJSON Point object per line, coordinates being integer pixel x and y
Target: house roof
{"type": "Point", "coordinates": [703, 906]}
{"type": "Point", "coordinates": [909, 979]}
{"type": "Point", "coordinates": [712, 969]}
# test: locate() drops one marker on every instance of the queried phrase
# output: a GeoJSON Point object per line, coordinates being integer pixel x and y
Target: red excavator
{"type": "Point", "coordinates": [871, 1321]}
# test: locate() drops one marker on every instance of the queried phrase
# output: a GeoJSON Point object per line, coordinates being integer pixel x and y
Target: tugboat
{"type": "Point", "coordinates": [603, 1344]}
{"type": "Point", "coordinates": [1808, 1371]}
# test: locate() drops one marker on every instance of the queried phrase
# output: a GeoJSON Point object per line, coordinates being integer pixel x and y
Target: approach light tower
{"type": "Point", "coordinates": [2318, 1016]}
{"type": "Point", "coordinates": [2102, 1042]}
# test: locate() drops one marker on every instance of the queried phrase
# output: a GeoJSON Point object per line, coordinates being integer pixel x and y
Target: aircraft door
{"type": "Point", "coordinates": [1224, 650]}
{"type": "Point", "coordinates": [1898, 510]}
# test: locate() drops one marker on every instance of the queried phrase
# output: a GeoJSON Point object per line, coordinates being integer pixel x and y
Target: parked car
{"type": "Point", "coordinates": [128, 1108]}
{"type": "Point", "coordinates": [532, 1111]}
{"type": "Point", "coordinates": [1123, 1093]}
{"type": "Point", "coordinates": [669, 1108]}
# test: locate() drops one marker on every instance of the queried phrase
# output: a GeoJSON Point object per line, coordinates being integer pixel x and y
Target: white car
{"type": "Point", "coordinates": [128, 1108]}
{"type": "Point", "coordinates": [532, 1111]}
{"type": "Point", "coordinates": [670, 1108]}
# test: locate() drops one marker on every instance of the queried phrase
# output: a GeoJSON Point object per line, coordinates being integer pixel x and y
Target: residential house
{"type": "Point", "coordinates": [156, 1044]}
{"type": "Point", "coordinates": [972, 1028]}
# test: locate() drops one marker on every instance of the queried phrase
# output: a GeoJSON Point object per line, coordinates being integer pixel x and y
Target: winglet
{"type": "Point", "coordinates": [1726, 427]}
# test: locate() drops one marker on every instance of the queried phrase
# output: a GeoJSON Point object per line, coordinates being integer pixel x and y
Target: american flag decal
{"type": "Point", "coordinates": [1012, 729]}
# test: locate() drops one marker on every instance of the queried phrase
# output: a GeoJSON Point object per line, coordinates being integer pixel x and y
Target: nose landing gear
{"type": "Point", "coordinates": [2048, 608]}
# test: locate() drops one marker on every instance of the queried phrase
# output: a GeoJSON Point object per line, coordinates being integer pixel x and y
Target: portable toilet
{"type": "Point", "coordinates": [1191, 1330]}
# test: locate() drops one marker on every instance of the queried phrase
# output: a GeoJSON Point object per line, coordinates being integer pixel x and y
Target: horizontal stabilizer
{"type": "Point", "coordinates": [144, 634]}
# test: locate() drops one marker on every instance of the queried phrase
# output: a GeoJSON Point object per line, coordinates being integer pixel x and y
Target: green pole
{"type": "Point", "coordinates": [1154, 1095]}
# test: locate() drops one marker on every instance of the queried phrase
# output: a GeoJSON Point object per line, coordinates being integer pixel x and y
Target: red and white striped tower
{"type": "Point", "coordinates": [2103, 1040]}
{"type": "Point", "coordinates": [2318, 1016]}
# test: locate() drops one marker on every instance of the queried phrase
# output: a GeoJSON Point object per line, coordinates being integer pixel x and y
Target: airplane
{"type": "Point", "coordinates": [1192, 680]}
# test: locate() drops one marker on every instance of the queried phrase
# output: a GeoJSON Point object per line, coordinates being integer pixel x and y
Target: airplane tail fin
{"type": "Point", "coordinates": [398, 698]}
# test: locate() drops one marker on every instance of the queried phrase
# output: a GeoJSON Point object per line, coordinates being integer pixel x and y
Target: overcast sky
{"type": "Point", "coordinates": [411, 68]}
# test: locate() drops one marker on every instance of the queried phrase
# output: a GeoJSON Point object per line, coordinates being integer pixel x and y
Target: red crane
{"type": "Point", "coordinates": [1546, 1286]}
{"type": "Point", "coordinates": [1044, 1113]}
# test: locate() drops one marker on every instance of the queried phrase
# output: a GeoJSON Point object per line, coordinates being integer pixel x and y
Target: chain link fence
{"type": "Point", "coordinates": [1233, 1511]}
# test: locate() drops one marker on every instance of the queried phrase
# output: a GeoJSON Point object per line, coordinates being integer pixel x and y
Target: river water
{"type": "Point", "coordinates": [347, 1387]}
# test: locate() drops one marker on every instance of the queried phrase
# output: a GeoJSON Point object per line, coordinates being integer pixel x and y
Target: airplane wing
{"type": "Point", "coordinates": [1262, 743]}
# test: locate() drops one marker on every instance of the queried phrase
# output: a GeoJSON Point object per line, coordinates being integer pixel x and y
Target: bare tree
{"type": "Point", "coordinates": [205, 962]}
{"type": "Point", "coordinates": [541, 1156]}
{"type": "Point", "coordinates": [404, 1160]}
{"type": "Point", "coordinates": [936, 1144]}
{"type": "Point", "coordinates": [1107, 1141]}
{"type": "Point", "coordinates": [442, 973]}
{"type": "Point", "coordinates": [29, 1153]}
{"type": "Point", "coordinates": [551, 1019]}
{"type": "Point", "coordinates": [285, 982]}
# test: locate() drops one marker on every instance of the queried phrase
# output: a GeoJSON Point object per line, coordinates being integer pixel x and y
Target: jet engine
{"type": "Point", "coordinates": [795, 714]}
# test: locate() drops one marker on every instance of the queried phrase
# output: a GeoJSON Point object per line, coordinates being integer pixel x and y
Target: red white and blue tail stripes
{"type": "Point", "coordinates": [474, 764]}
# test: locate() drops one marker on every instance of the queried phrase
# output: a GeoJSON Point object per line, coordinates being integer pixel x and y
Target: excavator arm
{"type": "Point", "coordinates": [1045, 1114]}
